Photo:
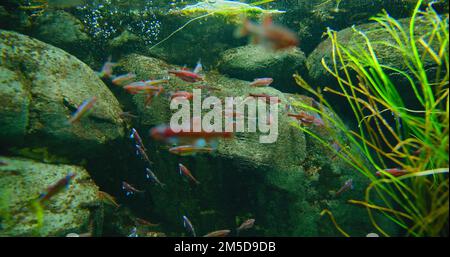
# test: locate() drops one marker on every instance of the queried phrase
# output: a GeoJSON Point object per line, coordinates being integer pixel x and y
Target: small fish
{"type": "Point", "coordinates": [184, 171]}
{"type": "Point", "coordinates": [157, 82]}
{"type": "Point", "coordinates": [182, 95]}
{"type": "Point", "coordinates": [189, 76]}
{"type": "Point", "coordinates": [128, 115]}
{"type": "Point", "coordinates": [142, 88]}
{"type": "Point", "coordinates": [143, 222]}
{"type": "Point", "coordinates": [164, 132]}
{"type": "Point", "coordinates": [186, 150]}
{"type": "Point", "coordinates": [141, 152]}
{"type": "Point", "coordinates": [150, 175]}
{"type": "Point", "coordinates": [188, 226]}
{"type": "Point", "coordinates": [3, 163]}
{"type": "Point", "coordinates": [129, 189]}
{"type": "Point", "coordinates": [107, 69]}
{"type": "Point", "coordinates": [218, 233]}
{"type": "Point", "coordinates": [133, 233]}
{"type": "Point", "coordinates": [122, 79]}
{"type": "Point", "coordinates": [347, 186]}
{"type": "Point", "coordinates": [308, 119]}
{"type": "Point", "coordinates": [269, 35]}
{"type": "Point", "coordinates": [248, 224]}
{"type": "Point", "coordinates": [262, 82]}
{"type": "Point", "coordinates": [108, 198]}
{"type": "Point", "coordinates": [135, 135]}
{"type": "Point", "coordinates": [269, 99]}
{"type": "Point", "coordinates": [83, 110]}
{"type": "Point", "coordinates": [56, 188]}
{"type": "Point", "coordinates": [396, 172]}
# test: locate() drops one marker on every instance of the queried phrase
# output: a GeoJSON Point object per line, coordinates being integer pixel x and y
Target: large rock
{"type": "Point", "coordinates": [63, 30]}
{"type": "Point", "coordinates": [21, 182]}
{"type": "Point", "coordinates": [252, 61]}
{"type": "Point", "coordinates": [208, 32]}
{"type": "Point", "coordinates": [388, 56]}
{"type": "Point", "coordinates": [352, 39]}
{"type": "Point", "coordinates": [40, 87]}
{"type": "Point", "coordinates": [284, 185]}
{"type": "Point", "coordinates": [310, 19]}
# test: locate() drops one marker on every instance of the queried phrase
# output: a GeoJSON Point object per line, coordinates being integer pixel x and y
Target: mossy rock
{"type": "Point", "coordinates": [310, 19]}
{"type": "Point", "coordinates": [284, 185]}
{"type": "Point", "coordinates": [378, 36]}
{"type": "Point", "coordinates": [23, 180]}
{"type": "Point", "coordinates": [253, 61]}
{"type": "Point", "coordinates": [41, 86]}
{"type": "Point", "coordinates": [211, 29]}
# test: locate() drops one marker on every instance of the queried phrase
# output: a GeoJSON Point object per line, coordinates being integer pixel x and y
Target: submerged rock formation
{"type": "Point", "coordinates": [63, 30]}
{"type": "Point", "coordinates": [23, 180]}
{"type": "Point", "coordinates": [253, 61]}
{"type": "Point", "coordinates": [40, 87]}
{"type": "Point", "coordinates": [351, 38]}
{"type": "Point", "coordinates": [284, 185]}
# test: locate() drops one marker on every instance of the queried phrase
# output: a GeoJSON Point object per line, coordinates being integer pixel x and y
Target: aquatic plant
{"type": "Point", "coordinates": [393, 132]}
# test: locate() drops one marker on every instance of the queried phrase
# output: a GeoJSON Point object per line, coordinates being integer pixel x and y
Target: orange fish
{"type": "Point", "coordinates": [164, 132]}
{"type": "Point", "coordinates": [184, 171]}
{"type": "Point", "coordinates": [262, 82]}
{"type": "Point", "coordinates": [308, 119]}
{"type": "Point", "coordinates": [56, 188]}
{"type": "Point", "coordinates": [218, 233]}
{"type": "Point", "coordinates": [83, 110]}
{"type": "Point", "coordinates": [248, 224]}
{"type": "Point", "coordinates": [142, 87]}
{"type": "Point", "coordinates": [186, 150]}
{"type": "Point", "coordinates": [269, 35]}
{"type": "Point", "coordinates": [122, 79]}
{"type": "Point", "coordinates": [396, 172]}
{"type": "Point", "coordinates": [107, 69]}
{"type": "Point", "coordinates": [143, 222]}
{"type": "Point", "coordinates": [182, 94]}
{"type": "Point", "coordinates": [189, 76]}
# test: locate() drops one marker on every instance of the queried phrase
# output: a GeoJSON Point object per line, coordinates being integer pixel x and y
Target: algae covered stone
{"type": "Point", "coordinates": [23, 180]}
{"type": "Point", "coordinates": [42, 86]}
{"type": "Point", "coordinates": [61, 29]}
{"type": "Point", "coordinates": [381, 42]}
{"type": "Point", "coordinates": [253, 61]}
